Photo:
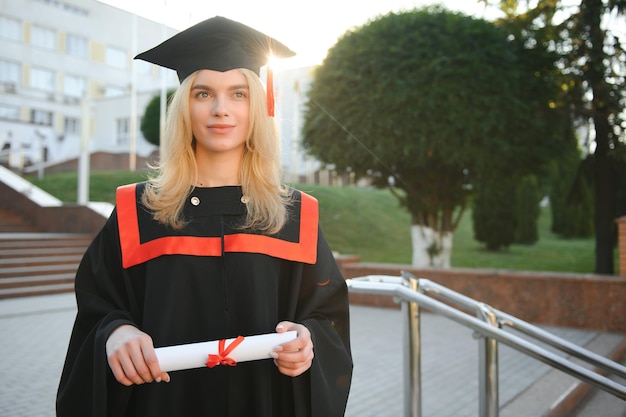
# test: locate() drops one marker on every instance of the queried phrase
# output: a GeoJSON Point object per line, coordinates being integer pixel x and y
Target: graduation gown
{"type": "Point", "coordinates": [209, 281]}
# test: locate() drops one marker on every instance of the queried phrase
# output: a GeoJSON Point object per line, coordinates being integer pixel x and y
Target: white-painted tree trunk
{"type": "Point", "coordinates": [430, 247]}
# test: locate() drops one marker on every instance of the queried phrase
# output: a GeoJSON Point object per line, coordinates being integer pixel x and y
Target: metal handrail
{"type": "Point", "coordinates": [411, 290]}
{"type": "Point", "coordinates": [434, 289]}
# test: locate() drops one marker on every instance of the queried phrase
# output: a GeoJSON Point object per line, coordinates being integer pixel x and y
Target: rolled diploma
{"type": "Point", "coordinates": [195, 355]}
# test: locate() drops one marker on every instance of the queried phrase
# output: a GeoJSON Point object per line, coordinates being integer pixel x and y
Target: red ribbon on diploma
{"type": "Point", "coordinates": [222, 355]}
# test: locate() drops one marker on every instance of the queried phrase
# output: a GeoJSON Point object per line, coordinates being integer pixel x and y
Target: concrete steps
{"type": "Point", "coordinates": [39, 263]}
{"type": "Point", "coordinates": [557, 394]}
{"type": "Point", "coordinates": [599, 403]}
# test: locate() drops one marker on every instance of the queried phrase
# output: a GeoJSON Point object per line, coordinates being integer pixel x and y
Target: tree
{"type": "Point", "coordinates": [592, 64]}
{"type": "Point", "coordinates": [527, 210]}
{"type": "Point", "coordinates": [493, 214]}
{"type": "Point", "coordinates": [506, 210]}
{"type": "Point", "coordinates": [427, 102]}
{"type": "Point", "coordinates": [152, 117]}
{"type": "Point", "coordinates": [571, 205]}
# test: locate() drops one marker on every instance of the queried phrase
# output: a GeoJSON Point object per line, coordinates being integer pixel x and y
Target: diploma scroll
{"type": "Point", "coordinates": [194, 355]}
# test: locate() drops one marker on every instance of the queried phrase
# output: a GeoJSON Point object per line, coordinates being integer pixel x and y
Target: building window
{"type": "Point", "coordinates": [71, 126]}
{"type": "Point", "coordinates": [41, 117]}
{"type": "Point", "coordinates": [74, 86]}
{"type": "Point", "coordinates": [123, 131]}
{"type": "Point", "coordinates": [42, 79]}
{"type": "Point", "coordinates": [67, 7]}
{"type": "Point", "coordinates": [43, 37]}
{"type": "Point", "coordinates": [76, 46]}
{"type": "Point", "coordinates": [10, 28]}
{"type": "Point", "coordinates": [9, 72]}
{"type": "Point", "coordinates": [9, 112]}
{"type": "Point", "coordinates": [110, 91]}
{"type": "Point", "coordinates": [116, 57]}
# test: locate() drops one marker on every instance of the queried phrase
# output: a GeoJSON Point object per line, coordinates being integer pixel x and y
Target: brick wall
{"type": "Point", "coordinates": [569, 300]}
{"type": "Point", "coordinates": [69, 218]}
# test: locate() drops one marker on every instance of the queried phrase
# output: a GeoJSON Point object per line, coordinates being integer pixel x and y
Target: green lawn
{"type": "Point", "coordinates": [369, 223]}
{"type": "Point", "coordinates": [102, 184]}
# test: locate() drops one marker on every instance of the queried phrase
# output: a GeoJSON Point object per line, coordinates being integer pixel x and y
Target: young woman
{"type": "Point", "coordinates": [212, 247]}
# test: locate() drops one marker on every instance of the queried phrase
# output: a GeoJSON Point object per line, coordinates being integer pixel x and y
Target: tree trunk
{"type": "Point", "coordinates": [604, 188]}
{"type": "Point", "coordinates": [431, 248]}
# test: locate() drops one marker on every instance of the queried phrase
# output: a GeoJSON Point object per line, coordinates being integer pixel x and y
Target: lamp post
{"type": "Point", "coordinates": [83, 158]}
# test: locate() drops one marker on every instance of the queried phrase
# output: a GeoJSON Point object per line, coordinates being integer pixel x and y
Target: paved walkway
{"type": "Point", "coordinates": [34, 333]}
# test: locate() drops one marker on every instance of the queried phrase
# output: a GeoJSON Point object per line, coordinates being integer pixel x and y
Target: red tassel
{"type": "Point", "coordinates": [270, 92]}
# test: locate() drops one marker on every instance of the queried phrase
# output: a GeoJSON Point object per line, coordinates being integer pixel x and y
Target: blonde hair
{"type": "Point", "coordinates": [260, 175]}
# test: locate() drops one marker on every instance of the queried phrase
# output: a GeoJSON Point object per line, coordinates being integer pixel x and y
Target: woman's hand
{"type": "Point", "coordinates": [131, 356]}
{"type": "Point", "coordinates": [295, 357]}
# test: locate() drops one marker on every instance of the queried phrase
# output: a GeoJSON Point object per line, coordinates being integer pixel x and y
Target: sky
{"type": "Point", "coordinates": [309, 28]}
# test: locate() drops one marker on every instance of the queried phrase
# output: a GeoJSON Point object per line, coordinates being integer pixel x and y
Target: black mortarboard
{"type": "Point", "coordinates": [218, 44]}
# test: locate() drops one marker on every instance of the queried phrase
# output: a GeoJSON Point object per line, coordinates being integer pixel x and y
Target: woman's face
{"type": "Point", "coordinates": [219, 103]}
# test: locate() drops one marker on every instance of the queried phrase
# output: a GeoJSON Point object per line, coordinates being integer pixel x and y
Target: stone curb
{"type": "Point", "coordinates": [581, 391]}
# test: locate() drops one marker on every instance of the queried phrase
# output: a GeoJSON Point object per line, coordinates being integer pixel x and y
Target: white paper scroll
{"type": "Point", "coordinates": [194, 355]}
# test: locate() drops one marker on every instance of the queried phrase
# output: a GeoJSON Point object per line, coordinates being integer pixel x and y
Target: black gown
{"type": "Point", "coordinates": [208, 281]}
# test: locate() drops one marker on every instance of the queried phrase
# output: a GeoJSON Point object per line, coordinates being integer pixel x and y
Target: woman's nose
{"type": "Point", "coordinates": [219, 106]}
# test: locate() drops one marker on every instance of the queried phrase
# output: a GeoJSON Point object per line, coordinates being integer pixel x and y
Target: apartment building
{"type": "Point", "coordinates": [65, 61]}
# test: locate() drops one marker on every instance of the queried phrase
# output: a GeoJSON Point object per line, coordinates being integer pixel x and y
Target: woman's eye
{"type": "Point", "coordinates": [241, 94]}
{"type": "Point", "coordinates": [202, 94]}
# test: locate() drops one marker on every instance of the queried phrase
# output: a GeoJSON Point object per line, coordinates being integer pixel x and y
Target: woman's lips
{"type": "Point", "coordinates": [221, 128]}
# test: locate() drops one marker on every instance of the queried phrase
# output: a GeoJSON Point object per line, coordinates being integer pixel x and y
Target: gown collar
{"type": "Point", "coordinates": [211, 201]}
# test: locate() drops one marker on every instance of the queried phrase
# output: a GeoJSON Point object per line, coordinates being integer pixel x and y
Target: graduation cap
{"type": "Point", "coordinates": [218, 44]}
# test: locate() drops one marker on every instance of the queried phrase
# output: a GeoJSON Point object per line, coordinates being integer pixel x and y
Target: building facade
{"type": "Point", "coordinates": [63, 62]}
